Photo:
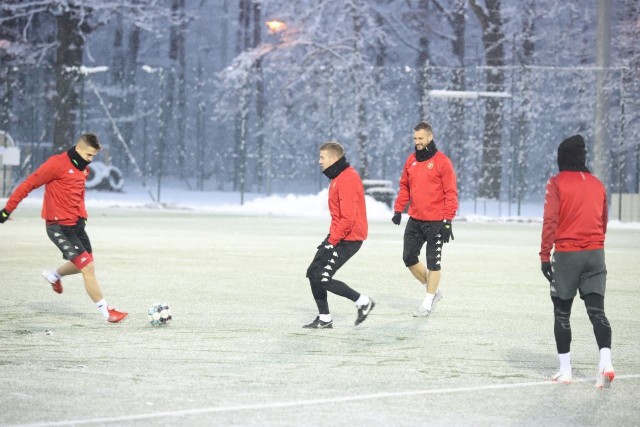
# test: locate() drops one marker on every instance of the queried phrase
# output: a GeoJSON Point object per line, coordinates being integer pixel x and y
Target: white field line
{"type": "Point", "coordinates": [295, 403]}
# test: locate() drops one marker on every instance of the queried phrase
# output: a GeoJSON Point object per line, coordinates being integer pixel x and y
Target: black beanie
{"type": "Point", "coordinates": [572, 154]}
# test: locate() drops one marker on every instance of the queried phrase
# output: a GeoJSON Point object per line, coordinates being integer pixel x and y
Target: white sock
{"type": "Point", "coordinates": [605, 358]}
{"type": "Point", "coordinates": [428, 300]}
{"type": "Point", "coordinates": [565, 362]}
{"type": "Point", "coordinates": [362, 300]}
{"type": "Point", "coordinates": [102, 306]}
{"type": "Point", "coordinates": [53, 276]}
{"type": "Point", "coordinates": [325, 317]}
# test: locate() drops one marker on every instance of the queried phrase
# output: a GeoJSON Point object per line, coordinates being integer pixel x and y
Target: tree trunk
{"type": "Point", "coordinates": [457, 20]}
{"type": "Point", "coordinates": [385, 153]}
{"type": "Point", "coordinates": [257, 39]}
{"type": "Point", "coordinates": [178, 65]}
{"type": "Point", "coordinates": [200, 132]}
{"type": "Point", "coordinates": [493, 42]}
{"type": "Point", "coordinates": [129, 84]}
{"type": "Point", "coordinates": [422, 66]}
{"type": "Point", "coordinates": [242, 43]}
{"type": "Point", "coordinates": [219, 165]}
{"type": "Point", "coordinates": [70, 42]}
{"type": "Point", "coordinates": [7, 82]}
{"type": "Point", "coordinates": [117, 74]}
{"type": "Point", "coordinates": [166, 101]}
{"type": "Point", "coordinates": [522, 128]}
{"type": "Point", "coordinates": [9, 75]}
{"type": "Point", "coordinates": [359, 84]}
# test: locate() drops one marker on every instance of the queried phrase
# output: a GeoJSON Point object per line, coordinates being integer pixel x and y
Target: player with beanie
{"type": "Point", "coordinates": [574, 227]}
{"type": "Point", "coordinates": [63, 209]}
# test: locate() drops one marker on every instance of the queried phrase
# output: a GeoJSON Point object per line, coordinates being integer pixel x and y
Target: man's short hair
{"type": "Point", "coordinates": [92, 140]}
{"type": "Point", "coordinates": [423, 126]}
{"type": "Point", "coordinates": [333, 146]}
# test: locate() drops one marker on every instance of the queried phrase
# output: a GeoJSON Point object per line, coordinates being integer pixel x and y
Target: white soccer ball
{"type": "Point", "coordinates": [159, 314]}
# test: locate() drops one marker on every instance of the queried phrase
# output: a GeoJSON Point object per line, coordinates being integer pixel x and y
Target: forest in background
{"type": "Point", "coordinates": [204, 93]}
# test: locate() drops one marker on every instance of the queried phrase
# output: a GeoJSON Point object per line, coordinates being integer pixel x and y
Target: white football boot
{"type": "Point", "coordinates": [605, 377]}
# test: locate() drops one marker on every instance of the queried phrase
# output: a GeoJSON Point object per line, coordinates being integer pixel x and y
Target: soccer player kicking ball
{"type": "Point", "coordinates": [575, 222]}
{"type": "Point", "coordinates": [348, 230]}
{"type": "Point", "coordinates": [64, 176]}
{"type": "Point", "coordinates": [428, 181]}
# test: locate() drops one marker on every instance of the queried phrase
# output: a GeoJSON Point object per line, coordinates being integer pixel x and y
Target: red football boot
{"type": "Point", "coordinates": [56, 286]}
{"type": "Point", "coordinates": [115, 316]}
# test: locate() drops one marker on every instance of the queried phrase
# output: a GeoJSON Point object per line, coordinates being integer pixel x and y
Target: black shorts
{"type": "Point", "coordinates": [416, 234]}
{"type": "Point", "coordinates": [72, 240]}
{"type": "Point", "coordinates": [583, 271]}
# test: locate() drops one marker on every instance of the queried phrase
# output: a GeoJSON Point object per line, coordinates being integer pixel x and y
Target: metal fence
{"type": "Point", "coordinates": [197, 144]}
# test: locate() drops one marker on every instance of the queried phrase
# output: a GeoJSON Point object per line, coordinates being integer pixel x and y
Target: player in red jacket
{"type": "Point", "coordinates": [64, 176]}
{"type": "Point", "coordinates": [348, 230]}
{"type": "Point", "coordinates": [429, 182]}
{"type": "Point", "coordinates": [575, 222]}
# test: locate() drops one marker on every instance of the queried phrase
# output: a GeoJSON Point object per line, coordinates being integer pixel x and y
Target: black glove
{"type": "Point", "coordinates": [446, 231]}
{"type": "Point", "coordinates": [4, 215]}
{"type": "Point", "coordinates": [397, 217]}
{"type": "Point", "coordinates": [547, 270]}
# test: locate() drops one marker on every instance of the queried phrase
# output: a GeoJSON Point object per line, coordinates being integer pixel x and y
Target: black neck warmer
{"type": "Point", "coordinates": [427, 152]}
{"type": "Point", "coordinates": [77, 161]}
{"type": "Point", "coordinates": [572, 154]}
{"type": "Point", "coordinates": [335, 169]}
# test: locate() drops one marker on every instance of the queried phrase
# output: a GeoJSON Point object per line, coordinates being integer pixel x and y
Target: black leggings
{"type": "Point", "coordinates": [325, 264]}
{"type": "Point", "coordinates": [594, 304]}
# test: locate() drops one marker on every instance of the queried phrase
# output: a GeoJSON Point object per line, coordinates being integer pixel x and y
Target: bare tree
{"type": "Point", "coordinates": [455, 13]}
{"type": "Point", "coordinates": [177, 75]}
{"type": "Point", "coordinates": [525, 58]}
{"type": "Point", "coordinates": [9, 34]}
{"type": "Point", "coordinates": [358, 84]}
{"type": "Point", "coordinates": [71, 28]}
{"type": "Point", "coordinates": [493, 41]}
{"type": "Point", "coordinates": [257, 39]}
{"type": "Point", "coordinates": [422, 60]}
{"type": "Point", "coordinates": [126, 47]}
{"type": "Point", "coordinates": [242, 116]}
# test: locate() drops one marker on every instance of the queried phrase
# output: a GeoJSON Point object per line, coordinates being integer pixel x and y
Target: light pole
{"type": "Point", "coordinates": [275, 27]}
{"type": "Point", "coordinates": [163, 128]}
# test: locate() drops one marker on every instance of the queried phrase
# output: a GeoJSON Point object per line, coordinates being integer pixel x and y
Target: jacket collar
{"type": "Point", "coordinates": [427, 152]}
{"type": "Point", "coordinates": [336, 169]}
{"type": "Point", "coordinates": [80, 163]}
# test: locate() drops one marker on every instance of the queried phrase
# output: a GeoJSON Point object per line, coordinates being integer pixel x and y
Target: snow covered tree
{"type": "Point", "coordinates": [493, 40]}
{"type": "Point", "coordinates": [66, 26]}
{"type": "Point", "coordinates": [345, 53]}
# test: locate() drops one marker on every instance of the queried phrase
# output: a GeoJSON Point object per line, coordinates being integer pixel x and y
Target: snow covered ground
{"type": "Point", "coordinates": [235, 353]}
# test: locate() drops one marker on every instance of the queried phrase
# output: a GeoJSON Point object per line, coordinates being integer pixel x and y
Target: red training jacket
{"type": "Point", "coordinates": [430, 186]}
{"type": "Point", "coordinates": [347, 208]}
{"type": "Point", "coordinates": [63, 194]}
{"type": "Point", "coordinates": [575, 214]}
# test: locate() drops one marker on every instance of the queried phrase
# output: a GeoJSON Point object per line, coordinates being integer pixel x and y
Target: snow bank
{"type": "Point", "coordinates": [289, 205]}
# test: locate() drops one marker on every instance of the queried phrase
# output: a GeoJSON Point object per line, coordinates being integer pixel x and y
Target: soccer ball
{"type": "Point", "coordinates": [159, 314]}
